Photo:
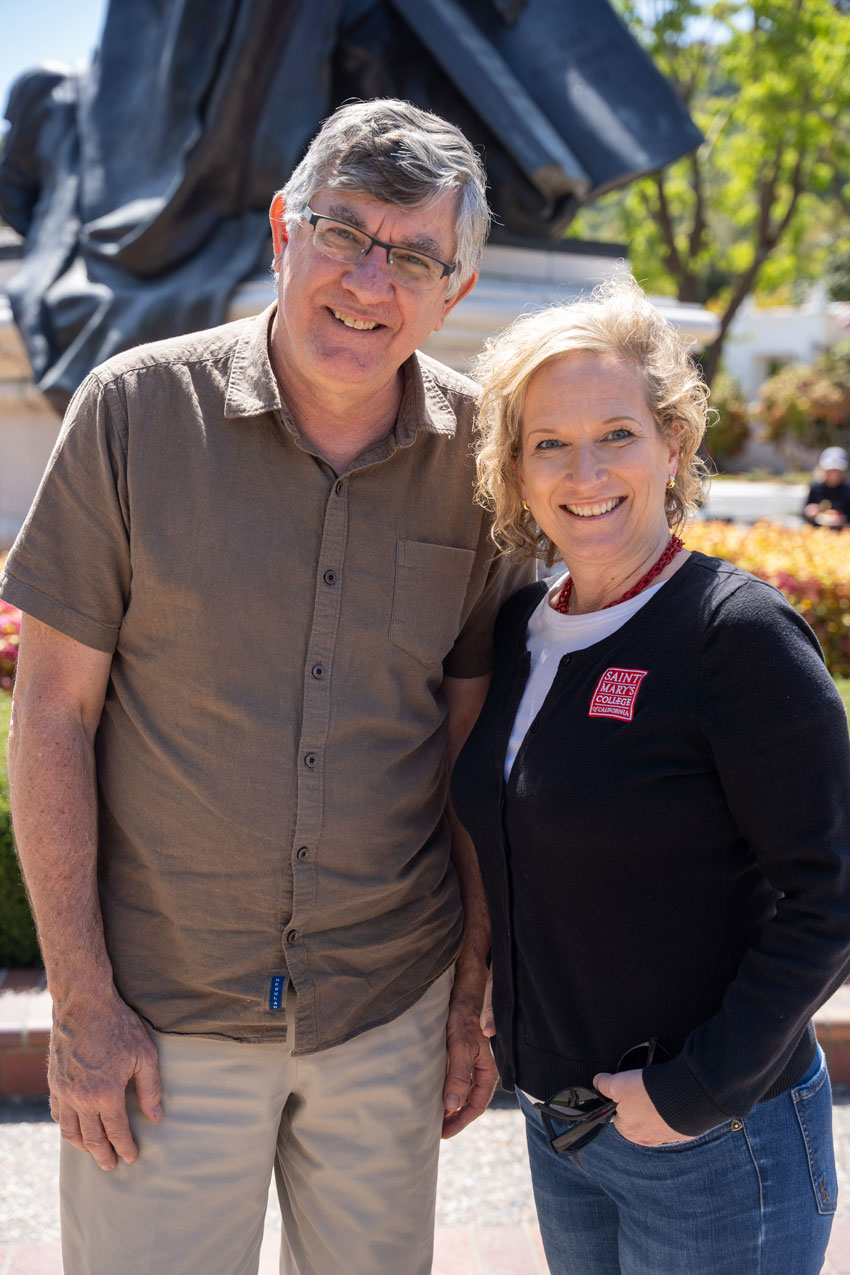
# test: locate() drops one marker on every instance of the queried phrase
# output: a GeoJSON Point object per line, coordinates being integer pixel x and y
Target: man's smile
{"type": "Point", "coordinates": [362, 325]}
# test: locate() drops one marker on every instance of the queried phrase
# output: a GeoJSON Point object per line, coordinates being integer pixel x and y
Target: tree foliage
{"type": "Point", "coordinates": [837, 273]}
{"type": "Point", "coordinates": [729, 423]}
{"type": "Point", "coordinates": [759, 204]}
{"type": "Point", "coordinates": [809, 403]}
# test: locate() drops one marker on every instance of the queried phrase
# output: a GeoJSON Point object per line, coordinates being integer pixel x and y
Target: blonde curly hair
{"type": "Point", "coordinates": [617, 322]}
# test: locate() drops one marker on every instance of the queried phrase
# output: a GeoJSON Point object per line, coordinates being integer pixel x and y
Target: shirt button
{"type": "Point", "coordinates": [318, 670]}
{"type": "Point", "coordinates": [310, 760]}
{"type": "Point", "coordinates": [329, 577]}
{"type": "Point", "coordinates": [339, 487]}
{"type": "Point", "coordinates": [302, 852]}
{"type": "Point", "coordinates": [292, 936]}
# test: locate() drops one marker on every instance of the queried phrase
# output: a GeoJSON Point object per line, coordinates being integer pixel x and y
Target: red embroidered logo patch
{"type": "Point", "coordinates": [616, 692]}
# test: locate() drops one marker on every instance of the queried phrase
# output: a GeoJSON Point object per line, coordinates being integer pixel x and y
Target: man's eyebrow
{"type": "Point", "coordinates": [417, 243]}
{"type": "Point", "coordinates": [342, 212]}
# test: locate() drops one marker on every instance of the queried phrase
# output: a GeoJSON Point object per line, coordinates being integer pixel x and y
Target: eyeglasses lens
{"type": "Point", "coordinates": [345, 243]}
{"type": "Point", "coordinates": [574, 1117]}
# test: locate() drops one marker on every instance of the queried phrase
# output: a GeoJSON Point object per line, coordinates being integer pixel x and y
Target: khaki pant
{"type": "Point", "coordinates": [352, 1134]}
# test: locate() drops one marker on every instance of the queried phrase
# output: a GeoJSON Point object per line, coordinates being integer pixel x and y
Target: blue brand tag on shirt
{"type": "Point", "coordinates": [277, 990]}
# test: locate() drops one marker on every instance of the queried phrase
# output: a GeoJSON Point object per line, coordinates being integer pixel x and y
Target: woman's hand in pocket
{"type": "Point", "coordinates": [636, 1119]}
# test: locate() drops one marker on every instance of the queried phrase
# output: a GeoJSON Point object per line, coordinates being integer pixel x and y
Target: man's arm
{"type": "Point", "coordinates": [471, 1073]}
{"type": "Point", "coordinates": [97, 1043]}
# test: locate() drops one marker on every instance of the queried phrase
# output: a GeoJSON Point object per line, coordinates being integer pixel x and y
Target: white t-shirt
{"type": "Point", "coordinates": [551, 635]}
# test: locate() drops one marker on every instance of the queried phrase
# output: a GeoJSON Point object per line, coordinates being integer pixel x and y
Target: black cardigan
{"type": "Point", "coordinates": [671, 856]}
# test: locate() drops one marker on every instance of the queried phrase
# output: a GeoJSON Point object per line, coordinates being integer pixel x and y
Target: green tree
{"type": "Point", "coordinates": [758, 205]}
{"type": "Point", "coordinates": [837, 273]}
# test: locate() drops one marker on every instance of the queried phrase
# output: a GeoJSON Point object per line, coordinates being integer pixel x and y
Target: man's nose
{"type": "Point", "coordinates": [370, 274]}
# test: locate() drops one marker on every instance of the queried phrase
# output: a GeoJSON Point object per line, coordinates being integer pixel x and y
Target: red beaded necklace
{"type": "Point", "coordinates": [674, 544]}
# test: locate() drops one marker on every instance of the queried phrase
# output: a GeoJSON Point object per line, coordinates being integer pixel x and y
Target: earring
{"type": "Point", "coordinates": [671, 483]}
{"type": "Point", "coordinates": [524, 507]}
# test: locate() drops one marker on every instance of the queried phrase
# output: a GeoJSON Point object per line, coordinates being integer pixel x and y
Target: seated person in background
{"type": "Point", "coordinates": [828, 501]}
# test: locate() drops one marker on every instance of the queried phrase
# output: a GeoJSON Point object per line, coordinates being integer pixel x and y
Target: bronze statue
{"type": "Point", "coordinates": [142, 186]}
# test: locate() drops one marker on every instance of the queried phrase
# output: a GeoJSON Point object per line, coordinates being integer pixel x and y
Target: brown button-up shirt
{"type": "Point", "coordinates": [270, 759]}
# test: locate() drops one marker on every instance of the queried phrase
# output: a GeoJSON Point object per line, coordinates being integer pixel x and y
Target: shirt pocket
{"type": "Point", "coordinates": [428, 596]}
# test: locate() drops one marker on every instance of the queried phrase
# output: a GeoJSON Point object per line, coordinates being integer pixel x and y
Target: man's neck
{"type": "Point", "coordinates": [339, 423]}
{"type": "Point", "coordinates": [340, 430]}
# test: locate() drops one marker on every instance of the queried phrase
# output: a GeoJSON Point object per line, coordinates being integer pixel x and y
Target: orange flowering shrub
{"type": "Point", "coordinates": [809, 565]}
{"type": "Point", "coordinates": [10, 630]}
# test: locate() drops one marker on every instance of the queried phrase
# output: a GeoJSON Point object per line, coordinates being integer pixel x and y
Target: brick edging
{"type": "Point", "coordinates": [25, 1013]}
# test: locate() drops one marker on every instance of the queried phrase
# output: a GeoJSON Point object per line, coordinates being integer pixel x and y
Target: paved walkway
{"type": "Point", "coordinates": [744, 501]}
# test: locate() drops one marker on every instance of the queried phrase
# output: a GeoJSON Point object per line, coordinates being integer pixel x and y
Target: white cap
{"type": "Point", "coordinates": [833, 458]}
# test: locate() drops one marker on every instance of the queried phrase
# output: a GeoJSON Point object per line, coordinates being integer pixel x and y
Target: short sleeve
{"type": "Point", "coordinates": [70, 565]}
{"type": "Point", "coordinates": [473, 652]}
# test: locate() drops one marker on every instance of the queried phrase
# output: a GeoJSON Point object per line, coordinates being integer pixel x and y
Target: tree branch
{"type": "Point", "coordinates": [697, 235]}
{"type": "Point", "coordinates": [685, 281]}
{"type": "Point", "coordinates": [768, 235]}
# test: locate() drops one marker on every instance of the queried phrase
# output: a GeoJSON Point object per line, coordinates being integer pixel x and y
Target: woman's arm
{"type": "Point", "coordinates": [778, 735]}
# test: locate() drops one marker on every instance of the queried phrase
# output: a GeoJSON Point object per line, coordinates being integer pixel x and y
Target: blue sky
{"type": "Point", "coordinates": [36, 31]}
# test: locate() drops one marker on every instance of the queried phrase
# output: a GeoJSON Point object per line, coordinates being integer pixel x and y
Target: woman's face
{"type": "Point", "coordinates": [593, 465]}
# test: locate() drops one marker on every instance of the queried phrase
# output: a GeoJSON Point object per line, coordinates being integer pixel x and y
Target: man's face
{"type": "Point", "coordinates": [341, 324]}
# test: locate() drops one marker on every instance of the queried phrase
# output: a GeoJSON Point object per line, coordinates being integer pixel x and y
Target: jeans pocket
{"type": "Point", "coordinates": [813, 1106]}
{"type": "Point", "coordinates": [666, 1148]}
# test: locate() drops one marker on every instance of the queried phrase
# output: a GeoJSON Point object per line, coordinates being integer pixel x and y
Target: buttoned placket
{"type": "Point", "coordinates": [318, 670]}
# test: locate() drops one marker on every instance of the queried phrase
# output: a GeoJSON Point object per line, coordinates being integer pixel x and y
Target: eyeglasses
{"type": "Point", "coordinates": [341, 242]}
{"type": "Point", "coordinates": [574, 1117]}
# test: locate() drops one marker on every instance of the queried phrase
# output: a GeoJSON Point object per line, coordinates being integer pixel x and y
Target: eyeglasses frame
{"type": "Point", "coordinates": [587, 1126]}
{"type": "Point", "coordinates": [313, 218]}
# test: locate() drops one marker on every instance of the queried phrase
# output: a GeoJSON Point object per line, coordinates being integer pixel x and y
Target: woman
{"type": "Point", "coordinates": [658, 791]}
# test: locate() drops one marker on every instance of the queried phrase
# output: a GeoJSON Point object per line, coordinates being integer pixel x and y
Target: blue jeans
{"type": "Point", "coordinates": [757, 1200]}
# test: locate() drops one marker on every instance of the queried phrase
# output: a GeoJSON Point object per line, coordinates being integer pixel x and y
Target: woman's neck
{"type": "Point", "coordinates": [595, 587]}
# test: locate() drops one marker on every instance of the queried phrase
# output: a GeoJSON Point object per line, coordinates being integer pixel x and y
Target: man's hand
{"type": "Point", "coordinates": [470, 1071]}
{"type": "Point", "coordinates": [486, 1019]}
{"type": "Point", "coordinates": [94, 1053]}
{"type": "Point", "coordinates": [636, 1119]}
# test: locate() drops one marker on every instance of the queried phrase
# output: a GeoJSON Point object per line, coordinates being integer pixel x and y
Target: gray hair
{"type": "Point", "coordinates": [401, 155]}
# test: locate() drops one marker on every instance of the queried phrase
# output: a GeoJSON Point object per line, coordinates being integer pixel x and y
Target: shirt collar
{"type": "Point", "coordinates": [424, 405]}
{"type": "Point", "coordinates": [253, 388]}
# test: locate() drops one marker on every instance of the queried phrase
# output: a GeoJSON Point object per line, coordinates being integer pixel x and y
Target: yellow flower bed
{"type": "Point", "coordinates": [809, 565]}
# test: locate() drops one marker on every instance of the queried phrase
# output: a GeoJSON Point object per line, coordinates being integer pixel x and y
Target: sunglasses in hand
{"type": "Point", "coordinates": [574, 1117]}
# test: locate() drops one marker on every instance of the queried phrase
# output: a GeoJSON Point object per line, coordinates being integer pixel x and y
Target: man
{"type": "Point", "coordinates": [259, 603]}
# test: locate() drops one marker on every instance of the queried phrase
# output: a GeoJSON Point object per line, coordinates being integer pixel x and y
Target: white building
{"type": "Point", "coordinates": [761, 340]}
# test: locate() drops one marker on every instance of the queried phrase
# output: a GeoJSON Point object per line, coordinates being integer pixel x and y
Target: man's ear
{"type": "Point", "coordinates": [462, 292]}
{"type": "Point", "coordinates": [280, 236]}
